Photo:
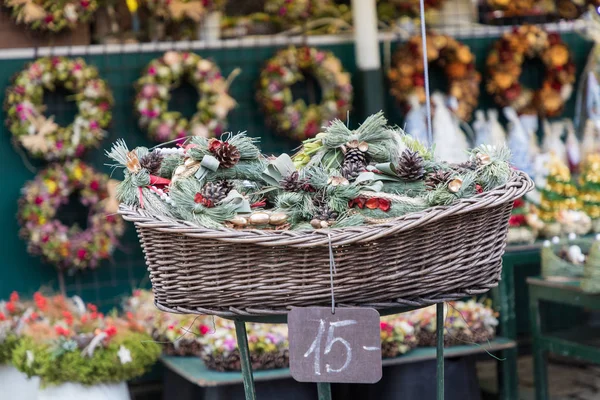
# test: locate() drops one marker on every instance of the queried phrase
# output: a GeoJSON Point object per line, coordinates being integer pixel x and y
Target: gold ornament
{"type": "Point", "coordinates": [484, 159]}
{"type": "Point", "coordinates": [315, 223]}
{"type": "Point", "coordinates": [454, 185]}
{"type": "Point", "coordinates": [338, 180]}
{"type": "Point", "coordinates": [259, 219]}
{"type": "Point", "coordinates": [133, 163]}
{"type": "Point", "coordinates": [278, 219]}
{"type": "Point", "coordinates": [239, 221]}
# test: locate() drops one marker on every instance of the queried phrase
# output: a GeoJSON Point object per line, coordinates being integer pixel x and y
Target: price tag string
{"type": "Point", "coordinates": [331, 272]}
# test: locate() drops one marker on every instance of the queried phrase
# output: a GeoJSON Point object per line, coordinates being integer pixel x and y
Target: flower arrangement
{"type": "Point", "coordinates": [48, 15]}
{"type": "Point", "coordinates": [339, 178]}
{"type": "Point", "coordinates": [179, 10]}
{"type": "Point", "coordinates": [268, 345]}
{"type": "Point", "coordinates": [179, 333]}
{"type": "Point", "coordinates": [70, 248]}
{"type": "Point", "coordinates": [398, 335]}
{"type": "Point", "coordinates": [39, 134]}
{"type": "Point", "coordinates": [295, 118]}
{"type": "Point", "coordinates": [167, 72]}
{"type": "Point", "coordinates": [504, 63]}
{"type": "Point", "coordinates": [456, 59]}
{"type": "Point", "coordinates": [16, 313]}
{"type": "Point", "coordinates": [465, 322]}
{"type": "Point", "coordinates": [84, 347]}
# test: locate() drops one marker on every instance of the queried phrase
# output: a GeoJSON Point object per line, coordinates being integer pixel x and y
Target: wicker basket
{"type": "Point", "coordinates": [440, 254]}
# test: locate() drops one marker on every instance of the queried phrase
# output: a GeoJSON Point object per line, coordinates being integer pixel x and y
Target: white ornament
{"type": "Point", "coordinates": [124, 355]}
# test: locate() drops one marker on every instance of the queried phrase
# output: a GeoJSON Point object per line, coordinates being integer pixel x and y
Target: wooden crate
{"type": "Point", "coordinates": [18, 36]}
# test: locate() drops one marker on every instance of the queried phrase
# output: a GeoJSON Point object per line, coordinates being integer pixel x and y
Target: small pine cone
{"type": "Point", "coordinates": [291, 183]}
{"type": "Point", "coordinates": [227, 154]}
{"type": "Point", "coordinates": [152, 162]}
{"type": "Point", "coordinates": [437, 178]}
{"type": "Point", "coordinates": [324, 213]}
{"type": "Point", "coordinates": [467, 166]}
{"type": "Point", "coordinates": [215, 192]}
{"type": "Point", "coordinates": [410, 166]}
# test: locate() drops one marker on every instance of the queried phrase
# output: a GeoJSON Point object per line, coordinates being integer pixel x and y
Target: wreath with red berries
{"type": "Point", "coordinates": [70, 248]}
{"type": "Point", "coordinates": [505, 63]}
{"type": "Point", "coordinates": [295, 118]}
{"type": "Point", "coordinates": [457, 61]}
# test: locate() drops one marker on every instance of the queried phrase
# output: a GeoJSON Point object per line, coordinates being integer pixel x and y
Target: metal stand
{"type": "Point", "coordinates": [324, 389]}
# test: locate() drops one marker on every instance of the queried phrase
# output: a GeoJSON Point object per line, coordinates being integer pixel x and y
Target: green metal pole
{"type": "Point", "coordinates": [324, 390]}
{"type": "Point", "coordinates": [242, 340]}
{"type": "Point", "coordinates": [440, 350]}
{"type": "Point", "coordinates": [540, 367]}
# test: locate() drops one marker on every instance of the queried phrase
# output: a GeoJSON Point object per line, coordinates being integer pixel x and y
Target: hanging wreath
{"type": "Point", "coordinates": [52, 15]}
{"type": "Point", "coordinates": [388, 10]}
{"type": "Point", "coordinates": [70, 248]}
{"type": "Point", "coordinates": [39, 134]}
{"type": "Point", "coordinates": [295, 118]}
{"type": "Point", "coordinates": [179, 10]}
{"type": "Point", "coordinates": [166, 73]}
{"type": "Point", "coordinates": [505, 62]}
{"type": "Point", "coordinates": [458, 63]}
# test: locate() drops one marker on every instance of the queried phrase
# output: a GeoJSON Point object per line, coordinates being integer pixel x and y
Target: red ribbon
{"type": "Point", "coordinates": [158, 181]}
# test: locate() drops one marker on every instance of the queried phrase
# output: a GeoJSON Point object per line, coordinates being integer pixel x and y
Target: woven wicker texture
{"type": "Point", "coordinates": [440, 254]}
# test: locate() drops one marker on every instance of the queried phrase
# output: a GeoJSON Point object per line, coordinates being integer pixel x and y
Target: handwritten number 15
{"type": "Point", "coordinates": [315, 347]}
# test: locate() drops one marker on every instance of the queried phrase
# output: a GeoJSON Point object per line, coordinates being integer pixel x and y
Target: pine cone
{"type": "Point", "coordinates": [291, 183]}
{"type": "Point", "coordinates": [152, 162]}
{"type": "Point", "coordinates": [214, 192]}
{"type": "Point", "coordinates": [351, 170]}
{"type": "Point", "coordinates": [324, 212]}
{"type": "Point", "coordinates": [437, 178]}
{"type": "Point", "coordinates": [467, 166]}
{"type": "Point", "coordinates": [227, 154]}
{"type": "Point", "coordinates": [410, 166]}
{"type": "Point", "coordinates": [355, 161]}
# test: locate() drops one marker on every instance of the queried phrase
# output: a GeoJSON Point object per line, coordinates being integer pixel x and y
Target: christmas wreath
{"type": "Point", "coordinates": [407, 73]}
{"type": "Point", "coordinates": [39, 134]}
{"type": "Point", "coordinates": [179, 10]}
{"type": "Point", "coordinates": [297, 119]}
{"type": "Point", "coordinates": [52, 15]}
{"type": "Point", "coordinates": [70, 247]}
{"type": "Point", "coordinates": [505, 62]}
{"type": "Point", "coordinates": [166, 73]}
{"type": "Point", "coordinates": [84, 347]}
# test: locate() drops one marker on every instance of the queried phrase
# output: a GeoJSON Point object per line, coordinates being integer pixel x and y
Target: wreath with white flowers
{"type": "Point", "coordinates": [39, 134]}
{"type": "Point", "coordinates": [295, 118]}
{"type": "Point", "coordinates": [70, 248]}
{"type": "Point", "coordinates": [504, 63]}
{"type": "Point", "coordinates": [52, 15]}
{"type": "Point", "coordinates": [168, 72]}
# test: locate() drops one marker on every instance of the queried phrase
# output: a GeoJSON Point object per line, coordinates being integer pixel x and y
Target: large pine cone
{"type": "Point", "coordinates": [227, 154]}
{"type": "Point", "coordinates": [410, 166]}
{"type": "Point", "coordinates": [152, 162]}
{"type": "Point", "coordinates": [437, 178]}
{"type": "Point", "coordinates": [355, 161]}
{"type": "Point", "coordinates": [215, 192]}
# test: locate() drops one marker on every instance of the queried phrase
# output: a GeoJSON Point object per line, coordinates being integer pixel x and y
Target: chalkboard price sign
{"type": "Point", "coordinates": [341, 347]}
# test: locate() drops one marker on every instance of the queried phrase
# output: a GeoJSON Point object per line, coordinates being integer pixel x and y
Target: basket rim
{"type": "Point", "coordinates": [517, 186]}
